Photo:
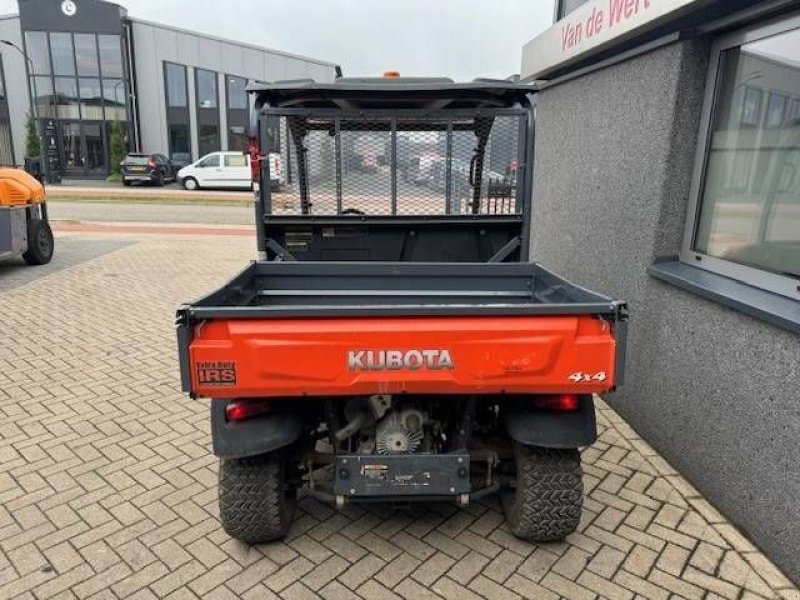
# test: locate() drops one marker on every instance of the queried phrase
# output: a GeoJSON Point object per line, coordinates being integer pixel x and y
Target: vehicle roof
{"type": "Point", "coordinates": [350, 93]}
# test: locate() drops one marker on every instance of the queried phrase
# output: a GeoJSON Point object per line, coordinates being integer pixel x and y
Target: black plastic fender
{"type": "Point", "coordinates": [553, 429]}
{"type": "Point", "coordinates": [255, 436]}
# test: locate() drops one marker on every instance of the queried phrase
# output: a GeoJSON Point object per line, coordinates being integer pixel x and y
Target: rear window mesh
{"type": "Point", "coordinates": [400, 165]}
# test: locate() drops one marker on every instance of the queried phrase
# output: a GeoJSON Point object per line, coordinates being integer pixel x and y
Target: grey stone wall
{"type": "Point", "coordinates": [717, 392]}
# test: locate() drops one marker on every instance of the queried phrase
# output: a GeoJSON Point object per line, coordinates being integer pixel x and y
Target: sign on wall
{"type": "Point", "coordinates": [591, 27]}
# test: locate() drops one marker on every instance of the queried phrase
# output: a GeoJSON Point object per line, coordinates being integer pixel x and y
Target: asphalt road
{"type": "Point", "coordinates": [105, 212]}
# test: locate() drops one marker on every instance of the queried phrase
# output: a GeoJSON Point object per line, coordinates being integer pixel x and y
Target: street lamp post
{"type": "Point", "coordinates": [32, 82]}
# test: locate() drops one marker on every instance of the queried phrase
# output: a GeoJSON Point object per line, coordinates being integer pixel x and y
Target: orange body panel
{"type": "Point", "coordinates": [420, 355]}
{"type": "Point", "coordinates": [18, 188]}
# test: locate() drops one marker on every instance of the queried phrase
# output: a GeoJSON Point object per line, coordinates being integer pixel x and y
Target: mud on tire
{"type": "Point", "coordinates": [547, 503]}
{"type": "Point", "coordinates": [255, 502]}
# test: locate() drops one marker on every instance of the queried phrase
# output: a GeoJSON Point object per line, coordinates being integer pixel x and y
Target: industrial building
{"type": "Point", "coordinates": [88, 64]}
{"type": "Point", "coordinates": [668, 174]}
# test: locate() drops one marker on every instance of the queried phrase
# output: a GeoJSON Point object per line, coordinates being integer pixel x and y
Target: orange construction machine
{"type": "Point", "coordinates": [24, 227]}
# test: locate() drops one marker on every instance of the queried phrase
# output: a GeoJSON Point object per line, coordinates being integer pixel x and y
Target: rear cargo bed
{"type": "Point", "coordinates": [309, 289]}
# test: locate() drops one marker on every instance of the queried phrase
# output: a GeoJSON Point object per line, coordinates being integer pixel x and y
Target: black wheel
{"type": "Point", "coordinates": [547, 502]}
{"type": "Point", "coordinates": [126, 183]}
{"type": "Point", "coordinates": [40, 243]}
{"type": "Point", "coordinates": [255, 501]}
{"type": "Point", "coordinates": [159, 181]}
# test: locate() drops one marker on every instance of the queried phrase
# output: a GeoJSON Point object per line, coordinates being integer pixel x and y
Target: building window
{"type": "Point", "coordinates": [110, 55]}
{"type": "Point", "coordinates": [180, 144]}
{"type": "Point", "coordinates": [66, 97]}
{"type": "Point", "coordinates": [62, 54]}
{"type": "Point", "coordinates": [91, 98]}
{"type": "Point", "coordinates": [237, 96]}
{"type": "Point", "coordinates": [564, 7]}
{"type": "Point", "coordinates": [207, 98]}
{"type": "Point", "coordinates": [86, 55]}
{"type": "Point", "coordinates": [114, 99]}
{"type": "Point", "coordinates": [238, 113]}
{"type": "Point", "coordinates": [744, 221]}
{"type": "Point", "coordinates": [38, 51]}
{"type": "Point", "coordinates": [206, 88]}
{"type": "Point", "coordinates": [175, 86]}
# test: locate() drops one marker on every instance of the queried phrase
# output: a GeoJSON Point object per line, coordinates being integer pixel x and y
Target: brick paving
{"type": "Point", "coordinates": [108, 488]}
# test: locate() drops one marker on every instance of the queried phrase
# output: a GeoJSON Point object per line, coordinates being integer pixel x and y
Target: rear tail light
{"type": "Point", "coordinates": [557, 402]}
{"type": "Point", "coordinates": [152, 163]}
{"type": "Point", "coordinates": [242, 410]}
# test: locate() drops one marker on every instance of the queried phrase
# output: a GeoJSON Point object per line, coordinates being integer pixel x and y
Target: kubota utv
{"type": "Point", "coordinates": [395, 341]}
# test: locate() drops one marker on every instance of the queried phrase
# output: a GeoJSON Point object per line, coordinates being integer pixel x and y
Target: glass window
{"type": "Point", "coordinates": [208, 140]}
{"type": "Point", "coordinates": [749, 204]}
{"type": "Point", "coordinates": [237, 138]}
{"type": "Point", "coordinates": [86, 55]}
{"type": "Point", "coordinates": [567, 6]}
{"type": "Point", "coordinates": [176, 85]}
{"type": "Point", "coordinates": [66, 98]}
{"type": "Point", "coordinates": [114, 95]}
{"type": "Point", "coordinates": [209, 161]}
{"type": "Point", "coordinates": [43, 91]}
{"type": "Point", "coordinates": [180, 150]}
{"type": "Point", "coordinates": [91, 98]}
{"type": "Point", "coordinates": [235, 160]}
{"type": "Point", "coordinates": [62, 53]}
{"type": "Point", "coordinates": [37, 49]}
{"type": "Point", "coordinates": [751, 107]}
{"type": "Point", "coordinates": [206, 88]}
{"type": "Point", "coordinates": [237, 96]}
{"type": "Point", "coordinates": [110, 55]}
{"type": "Point", "coordinates": [776, 109]}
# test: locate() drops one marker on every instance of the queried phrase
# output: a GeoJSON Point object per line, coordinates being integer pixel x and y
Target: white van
{"type": "Point", "coordinates": [225, 170]}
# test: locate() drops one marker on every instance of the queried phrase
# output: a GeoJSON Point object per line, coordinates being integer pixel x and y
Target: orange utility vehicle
{"type": "Point", "coordinates": [24, 227]}
{"type": "Point", "coordinates": [394, 342]}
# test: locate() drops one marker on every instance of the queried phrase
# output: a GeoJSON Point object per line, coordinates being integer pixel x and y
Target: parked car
{"type": "Point", "coordinates": [147, 168]}
{"type": "Point", "coordinates": [226, 170]}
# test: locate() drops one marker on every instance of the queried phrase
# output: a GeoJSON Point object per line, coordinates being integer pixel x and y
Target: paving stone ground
{"type": "Point", "coordinates": [108, 487]}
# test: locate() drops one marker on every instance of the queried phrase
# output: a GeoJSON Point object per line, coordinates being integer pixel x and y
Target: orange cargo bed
{"type": "Point", "coordinates": [420, 355]}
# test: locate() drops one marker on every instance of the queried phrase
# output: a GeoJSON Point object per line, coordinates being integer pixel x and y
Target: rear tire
{"type": "Point", "coordinates": [190, 183]}
{"type": "Point", "coordinates": [40, 243]}
{"type": "Point", "coordinates": [126, 183]}
{"type": "Point", "coordinates": [159, 181]}
{"type": "Point", "coordinates": [547, 503]}
{"type": "Point", "coordinates": [255, 502]}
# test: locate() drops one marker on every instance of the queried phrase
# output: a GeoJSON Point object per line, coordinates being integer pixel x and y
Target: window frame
{"type": "Point", "coordinates": [753, 276]}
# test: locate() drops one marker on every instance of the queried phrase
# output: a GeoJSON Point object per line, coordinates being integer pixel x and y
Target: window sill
{"type": "Point", "coordinates": [778, 310]}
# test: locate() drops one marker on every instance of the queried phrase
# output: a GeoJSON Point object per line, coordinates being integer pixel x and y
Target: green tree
{"type": "Point", "coordinates": [32, 147]}
{"type": "Point", "coordinates": [118, 148]}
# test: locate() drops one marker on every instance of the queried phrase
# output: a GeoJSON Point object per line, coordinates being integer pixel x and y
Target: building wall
{"type": "Point", "coordinates": [16, 90]}
{"type": "Point", "coordinates": [712, 389]}
{"type": "Point", "coordinates": [154, 44]}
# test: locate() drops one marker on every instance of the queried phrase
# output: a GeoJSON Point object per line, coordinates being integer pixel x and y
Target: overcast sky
{"type": "Point", "coordinates": [462, 39]}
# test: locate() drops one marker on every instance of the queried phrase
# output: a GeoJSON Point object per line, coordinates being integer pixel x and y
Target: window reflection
{"type": "Point", "coordinates": [62, 53]}
{"type": "Point", "coordinates": [43, 90]}
{"type": "Point", "coordinates": [206, 89]}
{"type": "Point", "coordinates": [176, 85]}
{"type": "Point", "coordinates": [114, 95]}
{"type": "Point", "coordinates": [91, 98]}
{"type": "Point", "coordinates": [66, 97]}
{"type": "Point", "coordinates": [38, 52]}
{"type": "Point", "coordinates": [750, 206]}
{"type": "Point", "coordinates": [86, 55]}
{"type": "Point", "coordinates": [237, 96]}
{"type": "Point", "coordinates": [110, 55]}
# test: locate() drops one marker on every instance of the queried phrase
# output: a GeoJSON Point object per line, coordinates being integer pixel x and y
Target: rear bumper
{"type": "Point", "coordinates": [241, 358]}
{"type": "Point", "coordinates": [139, 177]}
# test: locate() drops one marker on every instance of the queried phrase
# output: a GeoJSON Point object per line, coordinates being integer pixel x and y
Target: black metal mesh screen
{"type": "Point", "coordinates": [404, 165]}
